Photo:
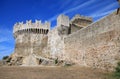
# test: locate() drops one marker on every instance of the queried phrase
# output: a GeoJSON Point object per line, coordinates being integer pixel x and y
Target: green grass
{"type": "Point", "coordinates": [115, 74]}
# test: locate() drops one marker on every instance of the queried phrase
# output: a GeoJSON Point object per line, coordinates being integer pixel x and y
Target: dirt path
{"type": "Point", "coordinates": [51, 73]}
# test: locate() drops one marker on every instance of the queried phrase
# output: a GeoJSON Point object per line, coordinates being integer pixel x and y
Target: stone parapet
{"type": "Point", "coordinates": [81, 17]}
{"type": "Point", "coordinates": [29, 25]}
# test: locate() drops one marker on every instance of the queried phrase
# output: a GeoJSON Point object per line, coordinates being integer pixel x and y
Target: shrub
{"type": "Point", "coordinates": [56, 61]}
{"type": "Point", "coordinates": [5, 57]}
{"type": "Point", "coordinates": [117, 71]}
{"type": "Point", "coordinates": [66, 65]}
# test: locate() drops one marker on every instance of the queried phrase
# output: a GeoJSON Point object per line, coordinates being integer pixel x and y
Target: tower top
{"type": "Point", "coordinates": [63, 20]}
{"type": "Point", "coordinates": [38, 24]}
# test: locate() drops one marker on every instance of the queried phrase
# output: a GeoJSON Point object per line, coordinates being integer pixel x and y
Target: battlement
{"type": "Point", "coordinates": [29, 25]}
{"type": "Point", "coordinates": [82, 18]}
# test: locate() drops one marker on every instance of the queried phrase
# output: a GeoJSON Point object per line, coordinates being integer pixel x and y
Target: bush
{"type": "Point", "coordinates": [5, 57]}
{"type": "Point", "coordinates": [115, 74]}
{"type": "Point", "coordinates": [117, 70]}
{"type": "Point", "coordinates": [66, 65]}
{"type": "Point", "coordinates": [56, 61]}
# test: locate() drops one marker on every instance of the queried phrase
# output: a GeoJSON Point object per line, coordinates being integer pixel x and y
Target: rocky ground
{"type": "Point", "coordinates": [51, 73]}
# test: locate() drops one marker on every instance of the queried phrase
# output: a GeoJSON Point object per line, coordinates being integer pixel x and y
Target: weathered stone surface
{"type": "Point", "coordinates": [56, 37]}
{"type": "Point", "coordinates": [63, 20]}
{"type": "Point", "coordinates": [78, 22]}
{"type": "Point", "coordinates": [31, 38]}
{"type": "Point", "coordinates": [97, 45]}
{"type": "Point", "coordinates": [63, 30]}
{"type": "Point", "coordinates": [30, 61]}
{"type": "Point", "coordinates": [55, 44]}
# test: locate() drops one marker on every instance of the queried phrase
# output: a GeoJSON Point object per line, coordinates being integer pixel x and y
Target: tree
{"type": "Point", "coordinates": [5, 57]}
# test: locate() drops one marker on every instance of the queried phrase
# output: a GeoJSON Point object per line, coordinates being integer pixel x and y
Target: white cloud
{"type": "Point", "coordinates": [6, 52]}
{"type": "Point", "coordinates": [65, 4]}
{"type": "Point", "coordinates": [106, 8]}
{"type": "Point", "coordinates": [53, 18]}
{"type": "Point", "coordinates": [5, 35]}
{"type": "Point", "coordinates": [6, 42]}
{"type": "Point", "coordinates": [3, 39]}
{"type": "Point", "coordinates": [101, 14]}
{"type": "Point", "coordinates": [98, 13]}
{"type": "Point", "coordinates": [5, 31]}
{"type": "Point", "coordinates": [72, 9]}
{"type": "Point", "coordinates": [79, 6]}
{"type": "Point", "coordinates": [2, 47]}
{"type": "Point", "coordinates": [104, 11]}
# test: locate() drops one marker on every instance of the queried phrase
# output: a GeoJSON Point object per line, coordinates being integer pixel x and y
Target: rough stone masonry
{"type": "Point", "coordinates": [78, 40]}
{"type": "Point", "coordinates": [97, 45]}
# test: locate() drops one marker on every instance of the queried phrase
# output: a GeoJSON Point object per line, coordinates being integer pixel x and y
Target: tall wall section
{"type": "Point", "coordinates": [55, 44]}
{"type": "Point", "coordinates": [97, 45]}
{"type": "Point", "coordinates": [56, 37]}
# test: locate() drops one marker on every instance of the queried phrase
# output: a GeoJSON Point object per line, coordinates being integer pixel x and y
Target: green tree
{"type": "Point", "coordinates": [5, 57]}
{"type": "Point", "coordinates": [117, 71]}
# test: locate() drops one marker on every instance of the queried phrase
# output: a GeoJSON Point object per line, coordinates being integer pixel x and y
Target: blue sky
{"type": "Point", "coordinates": [12, 11]}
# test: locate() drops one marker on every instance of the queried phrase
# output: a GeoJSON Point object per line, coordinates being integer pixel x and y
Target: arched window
{"type": "Point", "coordinates": [47, 31]}
{"type": "Point", "coordinates": [38, 30]}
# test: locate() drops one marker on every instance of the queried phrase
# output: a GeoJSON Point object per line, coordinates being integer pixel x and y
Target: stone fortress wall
{"type": "Point", "coordinates": [37, 39]}
{"type": "Point", "coordinates": [97, 45]}
{"type": "Point", "coordinates": [77, 40]}
{"type": "Point", "coordinates": [63, 29]}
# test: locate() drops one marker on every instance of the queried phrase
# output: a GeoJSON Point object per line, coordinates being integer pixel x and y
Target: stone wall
{"type": "Point", "coordinates": [78, 22]}
{"type": "Point", "coordinates": [62, 20]}
{"type": "Point", "coordinates": [31, 40]}
{"type": "Point", "coordinates": [30, 43]}
{"type": "Point", "coordinates": [97, 45]}
{"type": "Point", "coordinates": [55, 44]}
{"type": "Point", "coordinates": [74, 28]}
{"type": "Point", "coordinates": [56, 37]}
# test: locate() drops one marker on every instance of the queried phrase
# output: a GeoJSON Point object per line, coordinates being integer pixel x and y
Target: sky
{"type": "Point", "coordinates": [12, 11]}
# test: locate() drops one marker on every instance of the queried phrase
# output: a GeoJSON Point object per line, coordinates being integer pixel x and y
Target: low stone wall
{"type": "Point", "coordinates": [97, 45]}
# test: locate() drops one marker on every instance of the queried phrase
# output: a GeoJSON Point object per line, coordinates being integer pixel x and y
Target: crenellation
{"type": "Point", "coordinates": [37, 22]}
{"type": "Point", "coordinates": [30, 27]}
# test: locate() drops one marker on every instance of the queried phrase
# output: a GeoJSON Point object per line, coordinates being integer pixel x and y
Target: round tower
{"type": "Point", "coordinates": [30, 38]}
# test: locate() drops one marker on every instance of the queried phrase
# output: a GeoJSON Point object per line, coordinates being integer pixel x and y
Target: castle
{"type": "Point", "coordinates": [78, 40]}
